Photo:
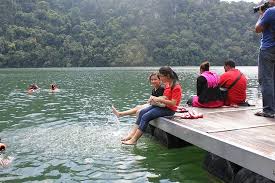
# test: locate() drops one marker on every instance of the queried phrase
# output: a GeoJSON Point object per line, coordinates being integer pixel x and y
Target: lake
{"type": "Point", "coordinates": [72, 135]}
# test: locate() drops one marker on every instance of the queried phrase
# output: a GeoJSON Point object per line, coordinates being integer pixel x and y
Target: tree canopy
{"type": "Point", "coordinates": [73, 33]}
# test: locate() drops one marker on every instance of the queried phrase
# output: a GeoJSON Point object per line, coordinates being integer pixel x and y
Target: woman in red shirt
{"type": "Point", "coordinates": [171, 98]}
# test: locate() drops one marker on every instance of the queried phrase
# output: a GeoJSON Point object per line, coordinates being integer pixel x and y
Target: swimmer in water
{"type": "Point", "coordinates": [5, 160]}
{"type": "Point", "coordinates": [2, 147]}
{"type": "Point", "coordinates": [32, 88]}
{"type": "Point", "coordinates": [54, 88]}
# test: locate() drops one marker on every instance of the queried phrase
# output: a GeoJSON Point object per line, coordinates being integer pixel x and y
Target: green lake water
{"type": "Point", "coordinates": [72, 135]}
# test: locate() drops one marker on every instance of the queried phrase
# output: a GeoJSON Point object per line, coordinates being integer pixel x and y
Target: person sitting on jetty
{"type": "Point", "coordinates": [157, 91]}
{"type": "Point", "coordinates": [208, 93]}
{"type": "Point", "coordinates": [171, 98]}
{"type": "Point", "coordinates": [236, 81]}
{"type": "Point", "coordinates": [54, 88]}
{"type": "Point", "coordinates": [32, 88]}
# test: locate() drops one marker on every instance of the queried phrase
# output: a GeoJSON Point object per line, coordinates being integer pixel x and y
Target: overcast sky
{"type": "Point", "coordinates": [255, 1]}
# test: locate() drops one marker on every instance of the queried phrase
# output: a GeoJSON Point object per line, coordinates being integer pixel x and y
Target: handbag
{"type": "Point", "coordinates": [224, 90]}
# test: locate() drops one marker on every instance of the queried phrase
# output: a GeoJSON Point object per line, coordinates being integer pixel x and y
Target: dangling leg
{"type": "Point", "coordinates": [134, 139]}
{"type": "Point", "coordinates": [131, 134]}
{"type": "Point", "coordinates": [134, 129]}
{"type": "Point", "coordinates": [125, 113]}
{"type": "Point", "coordinates": [151, 113]}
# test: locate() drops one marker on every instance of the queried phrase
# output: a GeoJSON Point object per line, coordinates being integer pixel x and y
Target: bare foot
{"type": "Point", "coordinates": [115, 111]}
{"type": "Point", "coordinates": [129, 142]}
{"type": "Point", "coordinates": [126, 138]}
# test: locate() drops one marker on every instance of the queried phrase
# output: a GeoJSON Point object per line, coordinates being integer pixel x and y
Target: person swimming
{"type": "Point", "coordinates": [5, 160]}
{"type": "Point", "coordinates": [54, 88]}
{"type": "Point", "coordinates": [32, 88]}
{"type": "Point", "coordinates": [2, 147]}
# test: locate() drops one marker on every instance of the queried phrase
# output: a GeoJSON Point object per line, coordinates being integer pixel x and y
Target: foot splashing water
{"type": "Point", "coordinates": [5, 161]}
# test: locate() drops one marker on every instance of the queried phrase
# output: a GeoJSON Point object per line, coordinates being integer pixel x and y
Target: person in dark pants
{"type": "Point", "coordinates": [266, 60]}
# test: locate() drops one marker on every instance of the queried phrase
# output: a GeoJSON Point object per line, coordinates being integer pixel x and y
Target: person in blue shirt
{"type": "Point", "coordinates": [266, 59]}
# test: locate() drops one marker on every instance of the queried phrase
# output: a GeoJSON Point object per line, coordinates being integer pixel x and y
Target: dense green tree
{"type": "Point", "coordinates": [66, 33]}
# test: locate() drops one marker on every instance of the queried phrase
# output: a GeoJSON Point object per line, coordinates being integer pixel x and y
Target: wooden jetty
{"type": "Point", "coordinates": [235, 134]}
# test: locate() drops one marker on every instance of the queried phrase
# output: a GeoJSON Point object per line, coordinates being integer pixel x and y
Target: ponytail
{"type": "Point", "coordinates": [175, 79]}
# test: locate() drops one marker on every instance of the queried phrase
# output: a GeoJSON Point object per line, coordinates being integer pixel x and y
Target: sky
{"type": "Point", "coordinates": [254, 1]}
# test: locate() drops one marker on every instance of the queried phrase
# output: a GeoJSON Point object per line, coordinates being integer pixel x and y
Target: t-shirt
{"type": "Point", "coordinates": [268, 21]}
{"type": "Point", "coordinates": [174, 93]}
{"type": "Point", "coordinates": [237, 94]}
{"type": "Point", "coordinates": [158, 92]}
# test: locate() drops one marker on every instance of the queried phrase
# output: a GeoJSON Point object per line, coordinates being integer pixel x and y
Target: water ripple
{"type": "Point", "coordinates": [72, 136]}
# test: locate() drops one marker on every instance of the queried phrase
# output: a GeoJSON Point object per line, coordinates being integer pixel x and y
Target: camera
{"type": "Point", "coordinates": [262, 7]}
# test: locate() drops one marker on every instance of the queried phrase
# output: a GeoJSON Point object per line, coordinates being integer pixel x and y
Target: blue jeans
{"type": "Point", "coordinates": [150, 113]}
{"type": "Point", "coordinates": [266, 62]}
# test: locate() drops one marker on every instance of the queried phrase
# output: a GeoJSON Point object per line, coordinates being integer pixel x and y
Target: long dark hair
{"type": "Point", "coordinates": [168, 72]}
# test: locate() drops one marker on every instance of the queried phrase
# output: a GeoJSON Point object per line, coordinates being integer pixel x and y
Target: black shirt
{"type": "Point", "coordinates": [201, 85]}
{"type": "Point", "coordinates": [158, 92]}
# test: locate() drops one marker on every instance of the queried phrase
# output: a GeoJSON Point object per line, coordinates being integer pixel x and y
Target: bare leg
{"type": "Point", "coordinates": [125, 113]}
{"type": "Point", "coordinates": [131, 134]}
{"type": "Point", "coordinates": [134, 139]}
{"type": "Point", "coordinates": [115, 111]}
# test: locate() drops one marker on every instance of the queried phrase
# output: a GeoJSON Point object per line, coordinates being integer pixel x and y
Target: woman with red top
{"type": "Point", "coordinates": [171, 98]}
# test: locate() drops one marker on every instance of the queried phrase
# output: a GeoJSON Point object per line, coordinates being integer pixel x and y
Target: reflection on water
{"type": "Point", "coordinates": [72, 136]}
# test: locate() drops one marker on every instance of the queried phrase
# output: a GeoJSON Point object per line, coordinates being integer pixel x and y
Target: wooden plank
{"type": "Point", "coordinates": [222, 121]}
{"type": "Point", "coordinates": [260, 139]}
{"type": "Point", "coordinates": [238, 136]}
{"type": "Point", "coordinates": [224, 109]}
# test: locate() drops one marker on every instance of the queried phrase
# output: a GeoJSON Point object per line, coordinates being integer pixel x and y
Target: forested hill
{"type": "Point", "coordinates": [68, 33]}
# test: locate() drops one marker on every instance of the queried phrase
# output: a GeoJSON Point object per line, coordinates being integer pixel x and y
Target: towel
{"type": "Point", "coordinates": [190, 114]}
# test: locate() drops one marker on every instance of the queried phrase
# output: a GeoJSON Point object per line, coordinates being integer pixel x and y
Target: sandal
{"type": "Point", "coordinates": [264, 114]}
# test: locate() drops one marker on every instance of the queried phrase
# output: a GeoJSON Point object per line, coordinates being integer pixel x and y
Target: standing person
{"type": "Point", "coordinates": [157, 91]}
{"type": "Point", "coordinates": [171, 98]}
{"type": "Point", "coordinates": [208, 93]}
{"type": "Point", "coordinates": [236, 81]}
{"type": "Point", "coordinates": [266, 60]}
